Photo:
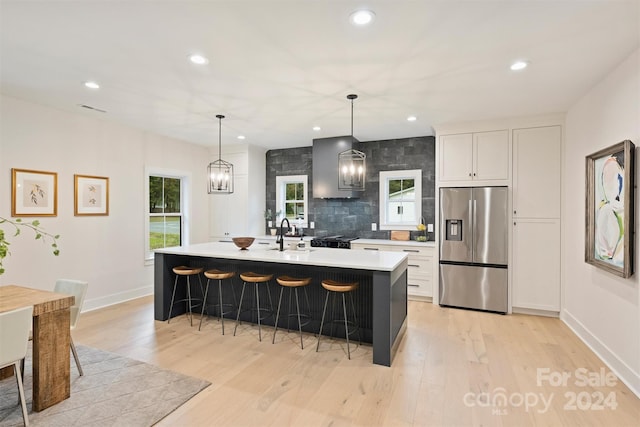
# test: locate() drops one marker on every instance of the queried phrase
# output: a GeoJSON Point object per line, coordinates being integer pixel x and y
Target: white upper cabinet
{"type": "Point", "coordinates": [481, 156]}
{"type": "Point", "coordinates": [536, 166]}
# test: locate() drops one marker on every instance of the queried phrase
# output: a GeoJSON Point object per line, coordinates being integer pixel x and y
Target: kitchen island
{"type": "Point", "coordinates": [381, 300]}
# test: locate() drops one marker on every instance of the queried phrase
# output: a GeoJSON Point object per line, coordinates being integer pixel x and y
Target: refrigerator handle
{"type": "Point", "coordinates": [472, 223]}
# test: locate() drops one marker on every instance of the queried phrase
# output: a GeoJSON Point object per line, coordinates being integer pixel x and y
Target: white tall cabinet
{"type": "Point", "coordinates": [241, 212]}
{"type": "Point", "coordinates": [536, 218]}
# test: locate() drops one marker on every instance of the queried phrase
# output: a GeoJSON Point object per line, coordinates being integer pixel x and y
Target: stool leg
{"type": "Point", "coordinates": [239, 308]}
{"type": "Point", "coordinates": [189, 300]}
{"type": "Point", "coordinates": [206, 291]}
{"type": "Point", "coordinates": [326, 300]}
{"type": "Point", "coordinates": [273, 341]}
{"type": "Point", "coordinates": [173, 295]}
{"type": "Point", "coordinates": [289, 311]}
{"type": "Point", "coordinates": [220, 303]}
{"type": "Point", "coordinates": [346, 326]}
{"type": "Point", "coordinates": [258, 306]}
{"type": "Point", "coordinates": [299, 321]}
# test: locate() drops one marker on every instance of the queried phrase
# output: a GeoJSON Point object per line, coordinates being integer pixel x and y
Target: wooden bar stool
{"type": "Point", "coordinates": [187, 272]}
{"type": "Point", "coordinates": [218, 275]}
{"type": "Point", "coordinates": [256, 279]}
{"type": "Point", "coordinates": [340, 288]}
{"type": "Point", "coordinates": [293, 283]}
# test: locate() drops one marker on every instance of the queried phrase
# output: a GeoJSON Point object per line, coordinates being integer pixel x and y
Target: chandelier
{"type": "Point", "coordinates": [351, 163]}
{"type": "Point", "coordinates": [220, 172]}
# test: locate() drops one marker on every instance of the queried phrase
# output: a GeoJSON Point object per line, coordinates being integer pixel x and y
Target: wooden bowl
{"type": "Point", "coordinates": [243, 242]}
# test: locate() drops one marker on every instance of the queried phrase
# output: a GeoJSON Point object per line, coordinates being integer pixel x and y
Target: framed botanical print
{"type": "Point", "coordinates": [91, 195]}
{"type": "Point", "coordinates": [610, 209]}
{"type": "Point", "coordinates": [34, 193]}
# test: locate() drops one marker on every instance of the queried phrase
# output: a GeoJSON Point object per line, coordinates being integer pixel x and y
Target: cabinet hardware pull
{"type": "Point", "coordinates": [370, 249]}
{"type": "Point", "coordinates": [514, 223]}
{"type": "Point", "coordinates": [412, 265]}
{"type": "Point", "coordinates": [415, 286]}
{"type": "Point", "coordinates": [410, 250]}
{"type": "Point", "coordinates": [514, 212]}
{"type": "Point", "coordinates": [469, 173]}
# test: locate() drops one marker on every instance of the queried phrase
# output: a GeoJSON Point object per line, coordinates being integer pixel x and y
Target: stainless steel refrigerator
{"type": "Point", "coordinates": [474, 248]}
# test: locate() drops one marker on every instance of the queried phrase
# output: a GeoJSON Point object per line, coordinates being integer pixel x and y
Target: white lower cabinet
{"type": "Point", "coordinates": [536, 264]}
{"type": "Point", "coordinates": [421, 260]}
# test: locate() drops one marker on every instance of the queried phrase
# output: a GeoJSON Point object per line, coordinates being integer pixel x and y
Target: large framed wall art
{"type": "Point", "coordinates": [34, 193]}
{"type": "Point", "coordinates": [610, 209]}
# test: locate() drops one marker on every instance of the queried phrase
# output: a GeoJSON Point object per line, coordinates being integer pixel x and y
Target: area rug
{"type": "Point", "coordinates": [114, 391]}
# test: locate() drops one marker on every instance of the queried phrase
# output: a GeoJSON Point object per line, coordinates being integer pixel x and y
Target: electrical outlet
{"type": "Point", "coordinates": [430, 228]}
{"type": "Point", "coordinates": [374, 226]}
{"type": "Point", "coordinates": [312, 225]}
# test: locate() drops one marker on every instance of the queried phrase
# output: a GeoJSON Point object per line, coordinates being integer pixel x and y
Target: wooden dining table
{"type": "Point", "coordinates": [51, 340]}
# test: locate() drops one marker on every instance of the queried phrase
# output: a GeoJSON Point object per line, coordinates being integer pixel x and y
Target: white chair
{"type": "Point", "coordinates": [78, 289]}
{"type": "Point", "coordinates": [15, 326]}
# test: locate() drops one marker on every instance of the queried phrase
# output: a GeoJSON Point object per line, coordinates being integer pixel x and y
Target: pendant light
{"type": "Point", "coordinates": [351, 163]}
{"type": "Point", "coordinates": [220, 172]}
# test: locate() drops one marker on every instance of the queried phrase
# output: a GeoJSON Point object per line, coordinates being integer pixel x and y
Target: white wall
{"type": "Point", "coordinates": [603, 309]}
{"type": "Point", "coordinates": [107, 251]}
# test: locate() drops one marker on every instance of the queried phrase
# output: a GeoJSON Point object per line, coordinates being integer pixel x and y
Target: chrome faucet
{"type": "Point", "coordinates": [282, 233]}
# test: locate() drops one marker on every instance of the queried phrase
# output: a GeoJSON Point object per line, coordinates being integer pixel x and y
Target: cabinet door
{"type": "Point", "coordinates": [229, 211]}
{"type": "Point", "coordinates": [455, 157]}
{"type": "Point", "coordinates": [536, 264]}
{"type": "Point", "coordinates": [536, 172]}
{"type": "Point", "coordinates": [491, 155]}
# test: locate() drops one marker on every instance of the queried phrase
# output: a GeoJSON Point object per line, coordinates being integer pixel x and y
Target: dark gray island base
{"type": "Point", "coordinates": [380, 301]}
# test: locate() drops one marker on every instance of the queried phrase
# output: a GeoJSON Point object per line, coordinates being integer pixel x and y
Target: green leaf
{"type": "Point", "coordinates": [1, 270]}
{"type": "Point", "coordinates": [17, 232]}
{"type": "Point", "coordinates": [57, 236]}
{"type": "Point", "coordinates": [56, 252]}
{"type": "Point", "coordinates": [36, 223]}
{"type": "Point", "coordinates": [18, 219]}
{"type": "Point", "coordinates": [53, 245]}
{"type": "Point", "coordinates": [38, 236]}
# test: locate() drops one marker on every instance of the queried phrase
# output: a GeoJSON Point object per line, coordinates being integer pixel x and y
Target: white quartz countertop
{"type": "Point", "coordinates": [342, 258]}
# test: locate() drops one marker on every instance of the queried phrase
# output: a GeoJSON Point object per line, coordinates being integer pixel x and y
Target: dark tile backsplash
{"type": "Point", "coordinates": [353, 217]}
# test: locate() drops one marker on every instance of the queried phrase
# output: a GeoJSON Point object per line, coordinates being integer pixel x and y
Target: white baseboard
{"type": "Point", "coordinates": [535, 312]}
{"type": "Point", "coordinates": [96, 303]}
{"type": "Point", "coordinates": [624, 372]}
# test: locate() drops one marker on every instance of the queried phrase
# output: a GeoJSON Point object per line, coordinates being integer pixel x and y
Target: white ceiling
{"type": "Point", "coordinates": [277, 68]}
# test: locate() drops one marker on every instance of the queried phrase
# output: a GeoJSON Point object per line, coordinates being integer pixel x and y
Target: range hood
{"type": "Point", "coordinates": [325, 167]}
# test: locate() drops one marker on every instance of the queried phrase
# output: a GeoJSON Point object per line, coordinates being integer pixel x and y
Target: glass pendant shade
{"type": "Point", "coordinates": [352, 165]}
{"type": "Point", "coordinates": [219, 172]}
{"type": "Point", "coordinates": [352, 170]}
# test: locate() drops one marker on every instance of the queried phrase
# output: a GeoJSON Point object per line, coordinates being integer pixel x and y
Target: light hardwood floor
{"type": "Point", "coordinates": [452, 368]}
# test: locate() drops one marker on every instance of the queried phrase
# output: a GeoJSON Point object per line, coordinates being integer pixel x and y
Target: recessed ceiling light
{"type": "Point", "coordinates": [198, 59]}
{"type": "Point", "coordinates": [92, 85]}
{"type": "Point", "coordinates": [519, 65]}
{"type": "Point", "coordinates": [412, 118]}
{"type": "Point", "coordinates": [316, 128]}
{"type": "Point", "coordinates": [240, 136]}
{"type": "Point", "coordinates": [362, 17]}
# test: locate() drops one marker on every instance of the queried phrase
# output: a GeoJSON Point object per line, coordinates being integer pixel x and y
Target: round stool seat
{"type": "Point", "coordinates": [218, 274]}
{"type": "Point", "coordinates": [293, 282]}
{"type": "Point", "coordinates": [252, 277]}
{"type": "Point", "coordinates": [182, 270]}
{"type": "Point", "coordinates": [333, 286]}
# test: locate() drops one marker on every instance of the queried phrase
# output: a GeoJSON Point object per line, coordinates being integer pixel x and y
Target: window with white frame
{"type": "Point", "coordinates": [292, 199]}
{"type": "Point", "coordinates": [400, 199]}
{"type": "Point", "coordinates": [166, 210]}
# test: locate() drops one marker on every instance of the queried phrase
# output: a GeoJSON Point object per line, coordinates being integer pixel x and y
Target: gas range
{"type": "Point", "coordinates": [339, 241]}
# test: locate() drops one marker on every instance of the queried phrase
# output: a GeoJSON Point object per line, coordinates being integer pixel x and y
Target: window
{"type": "Point", "coordinates": [400, 199]}
{"type": "Point", "coordinates": [166, 211]}
{"type": "Point", "coordinates": [291, 198]}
